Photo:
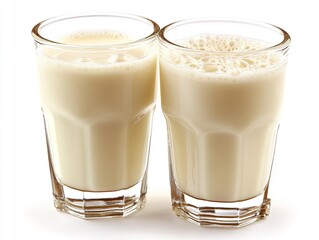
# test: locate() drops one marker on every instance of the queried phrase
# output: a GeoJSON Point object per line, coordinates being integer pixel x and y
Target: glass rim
{"type": "Point", "coordinates": [284, 44]}
{"type": "Point", "coordinates": [37, 37]}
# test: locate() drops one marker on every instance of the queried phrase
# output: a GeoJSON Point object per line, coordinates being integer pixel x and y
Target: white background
{"type": "Point", "coordinates": [26, 205]}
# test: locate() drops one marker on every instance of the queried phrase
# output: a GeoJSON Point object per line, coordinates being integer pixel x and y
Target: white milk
{"type": "Point", "coordinates": [98, 108]}
{"type": "Point", "coordinates": [222, 116]}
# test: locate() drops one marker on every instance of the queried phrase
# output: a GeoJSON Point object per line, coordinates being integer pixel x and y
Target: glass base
{"type": "Point", "coordinates": [220, 214]}
{"type": "Point", "coordinates": [93, 205]}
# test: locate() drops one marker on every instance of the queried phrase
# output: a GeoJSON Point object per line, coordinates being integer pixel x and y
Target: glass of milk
{"type": "Point", "coordinates": [222, 84]}
{"type": "Point", "coordinates": [97, 77]}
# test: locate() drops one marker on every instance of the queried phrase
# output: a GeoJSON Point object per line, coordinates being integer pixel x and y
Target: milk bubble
{"type": "Point", "coordinates": [213, 54]}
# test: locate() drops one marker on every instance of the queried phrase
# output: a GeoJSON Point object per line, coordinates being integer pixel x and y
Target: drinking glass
{"type": "Point", "coordinates": [222, 84]}
{"type": "Point", "coordinates": [97, 77]}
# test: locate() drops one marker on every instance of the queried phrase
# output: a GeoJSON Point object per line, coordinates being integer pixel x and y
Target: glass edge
{"type": "Point", "coordinates": [281, 46]}
{"type": "Point", "coordinates": [35, 32]}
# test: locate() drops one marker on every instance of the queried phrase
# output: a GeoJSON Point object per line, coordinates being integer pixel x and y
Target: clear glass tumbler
{"type": "Point", "coordinates": [222, 84]}
{"type": "Point", "coordinates": [97, 75]}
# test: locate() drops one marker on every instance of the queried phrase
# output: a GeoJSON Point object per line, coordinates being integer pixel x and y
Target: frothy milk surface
{"type": "Point", "coordinates": [98, 108]}
{"type": "Point", "coordinates": [222, 115]}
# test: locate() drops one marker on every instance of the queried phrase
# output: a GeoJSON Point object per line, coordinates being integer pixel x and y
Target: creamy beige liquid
{"type": "Point", "coordinates": [98, 108]}
{"type": "Point", "coordinates": [222, 117]}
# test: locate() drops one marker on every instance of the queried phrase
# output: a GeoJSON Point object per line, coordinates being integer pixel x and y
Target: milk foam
{"type": "Point", "coordinates": [217, 54]}
{"type": "Point", "coordinates": [96, 38]}
{"type": "Point", "coordinates": [100, 59]}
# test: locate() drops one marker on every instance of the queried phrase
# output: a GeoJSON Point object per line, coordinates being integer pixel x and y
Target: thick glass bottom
{"type": "Point", "coordinates": [220, 214]}
{"type": "Point", "coordinates": [92, 205]}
